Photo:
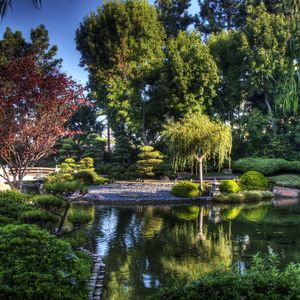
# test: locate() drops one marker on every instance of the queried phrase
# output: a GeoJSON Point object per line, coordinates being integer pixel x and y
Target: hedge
{"type": "Point", "coordinates": [267, 166]}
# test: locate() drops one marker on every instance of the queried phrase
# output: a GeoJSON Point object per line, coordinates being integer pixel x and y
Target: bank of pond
{"type": "Point", "coordinates": [153, 249]}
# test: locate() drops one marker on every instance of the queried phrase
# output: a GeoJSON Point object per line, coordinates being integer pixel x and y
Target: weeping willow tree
{"type": "Point", "coordinates": [196, 138]}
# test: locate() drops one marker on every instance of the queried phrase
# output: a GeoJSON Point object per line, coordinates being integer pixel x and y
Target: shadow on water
{"type": "Point", "coordinates": [145, 248]}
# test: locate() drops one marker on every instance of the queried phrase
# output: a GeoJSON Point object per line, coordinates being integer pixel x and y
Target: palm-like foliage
{"type": "Point", "coordinates": [6, 4]}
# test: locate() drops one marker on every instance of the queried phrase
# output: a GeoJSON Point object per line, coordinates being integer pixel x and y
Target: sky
{"type": "Point", "coordinates": [61, 18]}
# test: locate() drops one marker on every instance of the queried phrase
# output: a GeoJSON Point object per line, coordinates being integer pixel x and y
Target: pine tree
{"type": "Point", "coordinates": [174, 15]}
{"type": "Point", "coordinates": [218, 15]}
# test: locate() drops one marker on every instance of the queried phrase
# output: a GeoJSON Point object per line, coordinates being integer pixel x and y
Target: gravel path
{"type": "Point", "coordinates": [135, 193]}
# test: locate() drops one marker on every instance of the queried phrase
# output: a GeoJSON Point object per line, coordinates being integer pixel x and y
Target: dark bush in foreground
{"type": "Point", "coordinates": [262, 281]}
{"type": "Point", "coordinates": [229, 187]}
{"type": "Point", "coordinates": [11, 210]}
{"type": "Point", "coordinates": [267, 166]}
{"type": "Point", "coordinates": [37, 265]}
{"type": "Point", "coordinates": [14, 195]}
{"type": "Point", "coordinates": [246, 196]}
{"type": "Point", "coordinates": [186, 189]}
{"type": "Point", "coordinates": [253, 180]}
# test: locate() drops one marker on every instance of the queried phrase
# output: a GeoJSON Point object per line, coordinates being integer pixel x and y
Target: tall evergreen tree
{"type": "Point", "coordinates": [174, 15]}
{"type": "Point", "coordinates": [122, 47]}
{"type": "Point", "coordinates": [217, 15]}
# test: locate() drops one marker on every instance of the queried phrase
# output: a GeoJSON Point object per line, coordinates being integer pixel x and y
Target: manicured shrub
{"type": "Point", "coordinates": [266, 166]}
{"type": "Point", "coordinates": [37, 265]}
{"type": "Point", "coordinates": [59, 177]}
{"type": "Point", "coordinates": [49, 203]}
{"type": "Point", "coordinates": [66, 187]}
{"type": "Point", "coordinates": [253, 180]}
{"type": "Point", "coordinates": [86, 176]}
{"type": "Point", "coordinates": [90, 177]}
{"type": "Point", "coordinates": [41, 218]}
{"type": "Point", "coordinates": [186, 189]}
{"type": "Point", "coordinates": [229, 187]}
{"type": "Point", "coordinates": [263, 280]}
{"type": "Point", "coordinates": [148, 161]}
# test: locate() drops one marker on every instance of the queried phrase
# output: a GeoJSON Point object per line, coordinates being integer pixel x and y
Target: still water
{"type": "Point", "coordinates": [146, 248]}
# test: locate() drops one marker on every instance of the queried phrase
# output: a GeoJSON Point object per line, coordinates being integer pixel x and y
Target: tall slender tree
{"type": "Point", "coordinates": [122, 47]}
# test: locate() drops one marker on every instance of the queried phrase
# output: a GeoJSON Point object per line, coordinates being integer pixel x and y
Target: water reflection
{"type": "Point", "coordinates": [150, 247]}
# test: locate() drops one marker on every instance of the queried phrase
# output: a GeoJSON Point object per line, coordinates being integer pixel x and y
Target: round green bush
{"type": "Point", "coordinates": [86, 176]}
{"type": "Point", "coordinates": [186, 189]}
{"type": "Point", "coordinates": [37, 265]}
{"type": "Point", "coordinates": [253, 180]}
{"type": "Point", "coordinates": [229, 187]}
{"type": "Point", "coordinates": [14, 195]}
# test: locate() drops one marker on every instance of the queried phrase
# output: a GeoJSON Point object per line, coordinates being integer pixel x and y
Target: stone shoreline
{"type": "Point", "coordinates": [137, 193]}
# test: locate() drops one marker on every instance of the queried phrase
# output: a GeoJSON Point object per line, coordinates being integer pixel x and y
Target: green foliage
{"type": "Point", "coordinates": [14, 195]}
{"type": "Point", "coordinates": [80, 217]}
{"type": "Point", "coordinates": [89, 177]}
{"type": "Point", "coordinates": [148, 161]}
{"type": "Point", "coordinates": [189, 78]}
{"type": "Point", "coordinates": [253, 180]}
{"type": "Point", "coordinates": [40, 217]}
{"type": "Point", "coordinates": [122, 60]}
{"type": "Point", "coordinates": [286, 180]}
{"type": "Point", "coordinates": [267, 166]}
{"type": "Point", "coordinates": [60, 176]}
{"type": "Point", "coordinates": [186, 189]}
{"type": "Point", "coordinates": [65, 187]}
{"type": "Point", "coordinates": [197, 133]}
{"type": "Point", "coordinates": [49, 203]}
{"type": "Point", "coordinates": [11, 210]}
{"type": "Point", "coordinates": [245, 196]}
{"type": "Point", "coordinates": [35, 263]}
{"type": "Point", "coordinates": [174, 15]}
{"type": "Point", "coordinates": [229, 187]}
{"type": "Point", "coordinates": [70, 171]}
{"type": "Point", "coordinates": [263, 280]}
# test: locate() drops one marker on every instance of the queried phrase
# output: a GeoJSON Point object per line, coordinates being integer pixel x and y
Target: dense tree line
{"type": "Point", "coordinates": [235, 60]}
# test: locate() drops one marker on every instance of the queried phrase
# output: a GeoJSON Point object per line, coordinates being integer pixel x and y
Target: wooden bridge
{"type": "Point", "coordinates": [33, 174]}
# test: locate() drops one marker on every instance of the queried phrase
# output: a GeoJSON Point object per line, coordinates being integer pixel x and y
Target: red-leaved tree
{"type": "Point", "coordinates": [35, 104]}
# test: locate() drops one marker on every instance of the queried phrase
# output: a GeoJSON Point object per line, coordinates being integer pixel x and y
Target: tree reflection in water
{"type": "Point", "coordinates": [145, 248]}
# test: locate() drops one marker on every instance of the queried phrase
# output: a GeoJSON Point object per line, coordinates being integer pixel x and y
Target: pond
{"type": "Point", "coordinates": [146, 248]}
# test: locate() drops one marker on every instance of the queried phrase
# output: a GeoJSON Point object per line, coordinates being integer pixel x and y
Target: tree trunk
{"type": "Point", "coordinates": [273, 125]}
{"type": "Point", "coordinates": [63, 218]}
{"type": "Point", "coordinates": [201, 172]}
{"type": "Point", "coordinates": [108, 139]}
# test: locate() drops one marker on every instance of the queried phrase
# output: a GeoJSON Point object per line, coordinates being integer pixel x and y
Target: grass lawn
{"type": "Point", "coordinates": [286, 180]}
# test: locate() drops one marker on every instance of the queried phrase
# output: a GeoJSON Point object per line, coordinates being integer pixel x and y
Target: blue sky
{"type": "Point", "coordinates": [61, 18]}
